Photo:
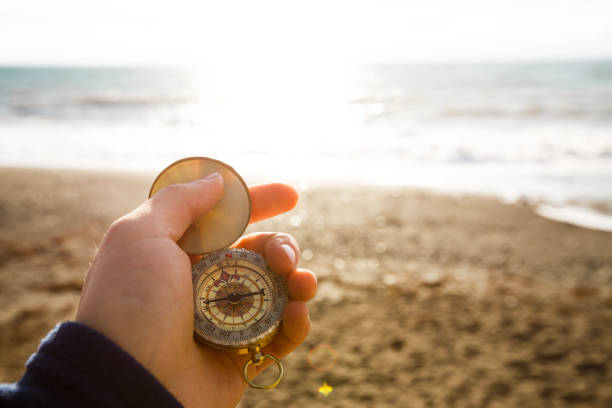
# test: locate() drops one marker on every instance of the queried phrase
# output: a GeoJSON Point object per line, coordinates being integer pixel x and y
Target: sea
{"type": "Point", "coordinates": [536, 133]}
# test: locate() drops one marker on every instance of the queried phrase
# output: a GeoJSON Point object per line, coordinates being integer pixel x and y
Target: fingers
{"type": "Point", "coordinates": [282, 254]}
{"type": "Point", "coordinates": [194, 259]}
{"type": "Point", "coordinates": [169, 212]}
{"type": "Point", "coordinates": [268, 200]}
{"type": "Point", "coordinates": [294, 330]}
{"type": "Point", "coordinates": [280, 250]}
{"type": "Point", "coordinates": [302, 285]}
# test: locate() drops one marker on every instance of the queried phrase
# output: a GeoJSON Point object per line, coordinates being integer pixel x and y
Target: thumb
{"type": "Point", "coordinates": [173, 208]}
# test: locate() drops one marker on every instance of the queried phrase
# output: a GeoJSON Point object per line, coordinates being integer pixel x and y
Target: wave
{"type": "Point", "coordinates": [525, 113]}
{"type": "Point", "coordinates": [83, 106]}
{"type": "Point", "coordinates": [100, 100]}
{"type": "Point", "coordinates": [487, 108]}
{"type": "Point", "coordinates": [129, 100]}
{"type": "Point", "coordinates": [581, 216]}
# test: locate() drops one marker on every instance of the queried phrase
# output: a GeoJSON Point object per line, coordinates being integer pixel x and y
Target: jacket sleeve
{"type": "Point", "coordinates": [76, 366]}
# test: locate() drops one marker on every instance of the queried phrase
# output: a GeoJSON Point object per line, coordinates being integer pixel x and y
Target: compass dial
{"type": "Point", "coordinates": [238, 301]}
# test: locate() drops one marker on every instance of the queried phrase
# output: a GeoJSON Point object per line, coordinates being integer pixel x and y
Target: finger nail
{"type": "Point", "coordinates": [289, 251]}
{"type": "Point", "coordinates": [211, 177]}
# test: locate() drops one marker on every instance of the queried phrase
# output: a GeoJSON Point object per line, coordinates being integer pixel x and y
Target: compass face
{"type": "Point", "coordinates": [238, 301]}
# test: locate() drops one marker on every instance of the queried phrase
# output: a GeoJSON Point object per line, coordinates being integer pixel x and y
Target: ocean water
{"type": "Point", "coordinates": [537, 132]}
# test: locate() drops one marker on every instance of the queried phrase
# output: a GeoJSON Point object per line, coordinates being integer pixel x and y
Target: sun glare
{"type": "Point", "coordinates": [185, 32]}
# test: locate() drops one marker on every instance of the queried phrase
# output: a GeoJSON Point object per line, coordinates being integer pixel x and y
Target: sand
{"type": "Point", "coordinates": [425, 299]}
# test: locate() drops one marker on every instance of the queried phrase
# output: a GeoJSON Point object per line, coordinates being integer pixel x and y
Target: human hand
{"type": "Point", "coordinates": [138, 291]}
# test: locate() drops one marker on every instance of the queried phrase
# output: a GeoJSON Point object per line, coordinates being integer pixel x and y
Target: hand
{"type": "Point", "coordinates": [138, 290]}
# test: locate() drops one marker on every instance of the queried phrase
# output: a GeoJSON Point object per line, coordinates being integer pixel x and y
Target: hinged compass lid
{"type": "Point", "coordinates": [226, 222]}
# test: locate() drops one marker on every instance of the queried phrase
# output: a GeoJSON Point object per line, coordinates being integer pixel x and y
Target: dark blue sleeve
{"type": "Point", "coordinates": [76, 366]}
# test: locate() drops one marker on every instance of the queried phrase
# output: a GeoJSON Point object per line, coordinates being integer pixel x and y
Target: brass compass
{"type": "Point", "coordinates": [238, 301]}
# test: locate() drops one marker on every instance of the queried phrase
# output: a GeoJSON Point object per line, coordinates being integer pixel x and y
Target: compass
{"type": "Point", "coordinates": [238, 301]}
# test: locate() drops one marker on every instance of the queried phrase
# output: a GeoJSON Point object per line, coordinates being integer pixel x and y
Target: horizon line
{"type": "Point", "coordinates": [164, 65]}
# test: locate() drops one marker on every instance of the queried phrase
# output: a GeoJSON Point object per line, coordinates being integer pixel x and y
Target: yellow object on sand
{"type": "Point", "coordinates": [325, 389]}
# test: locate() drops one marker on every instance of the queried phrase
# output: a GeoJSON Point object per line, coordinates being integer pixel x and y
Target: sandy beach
{"type": "Point", "coordinates": [425, 299]}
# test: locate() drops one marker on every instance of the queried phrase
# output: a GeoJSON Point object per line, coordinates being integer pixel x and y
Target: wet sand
{"type": "Point", "coordinates": [427, 299]}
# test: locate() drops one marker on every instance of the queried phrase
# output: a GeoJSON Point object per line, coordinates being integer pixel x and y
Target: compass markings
{"type": "Point", "coordinates": [259, 308]}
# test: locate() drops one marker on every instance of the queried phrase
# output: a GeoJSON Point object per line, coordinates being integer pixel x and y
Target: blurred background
{"type": "Point", "coordinates": [505, 98]}
{"type": "Point", "coordinates": [444, 127]}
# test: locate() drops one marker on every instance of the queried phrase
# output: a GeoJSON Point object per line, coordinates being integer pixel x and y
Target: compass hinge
{"type": "Point", "coordinates": [256, 357]}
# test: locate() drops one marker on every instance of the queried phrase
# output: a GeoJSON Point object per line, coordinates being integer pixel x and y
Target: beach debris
{"type": "Point", "coordinates": [339, 263]}
{"type": "Point", "coordinates": [325, 389]}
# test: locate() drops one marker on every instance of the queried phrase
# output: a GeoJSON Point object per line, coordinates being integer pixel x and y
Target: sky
{"type": "Point", "coordinates": [180, 32]}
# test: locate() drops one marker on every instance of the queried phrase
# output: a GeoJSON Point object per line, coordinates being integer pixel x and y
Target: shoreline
{"type": "Point", "coordinates": [428, 299]}
{"type": "Point", "coordinates": [590, 214]}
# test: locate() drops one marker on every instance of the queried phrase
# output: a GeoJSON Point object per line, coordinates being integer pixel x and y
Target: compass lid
{"type": "Point", "coordinates": [225, 223]}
